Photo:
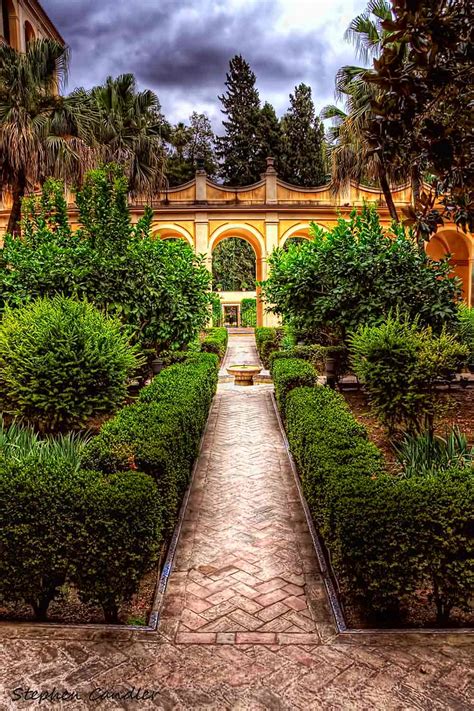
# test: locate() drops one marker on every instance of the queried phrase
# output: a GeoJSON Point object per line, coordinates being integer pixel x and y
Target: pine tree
{"type": "Point", "coordinates": [303, 137]}
{"type": "Point", "coordinates": [238, 149]}
{"type": "Point", "coordinates": [270, 137]}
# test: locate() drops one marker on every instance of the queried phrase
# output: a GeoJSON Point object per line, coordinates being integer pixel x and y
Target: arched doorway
{"type": "Point", "coordinates": [170, 231]}
{"type": "Point", "coordinates": [10, 24]}
{"type": "Point", "coordinates": [459, 247]}
{"type": "Point", "coordinates": [240, 275]}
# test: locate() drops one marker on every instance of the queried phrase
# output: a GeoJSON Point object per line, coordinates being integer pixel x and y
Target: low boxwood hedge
{"type": "Point", "coordinates": [160, 434]}
{"type": "Point", "coordinates": [392, 539]}
{"type": "Point", "coordinates": [267, 341]}
{"type": "Point", "coordinates": [99, 523]}
{"type": "Point", "coordinates": [289, 373]}
{"type": "Point", "coordinates": [215, 341]}
{"type": "Point", "coordinates": [61, 524]}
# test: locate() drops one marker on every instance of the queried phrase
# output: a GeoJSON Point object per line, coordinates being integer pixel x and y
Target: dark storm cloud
{"type": "Point", "coordinates": [181, 48]}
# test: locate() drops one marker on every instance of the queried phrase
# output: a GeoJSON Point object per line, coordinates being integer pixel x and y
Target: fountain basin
{"type": "Point", "coordinates": [243, 374]}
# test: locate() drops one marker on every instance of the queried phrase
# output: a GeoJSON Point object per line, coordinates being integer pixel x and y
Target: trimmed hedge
{"type": "Point", "coordinates": [60, 524]}
{"type": "Point", "coordinates": [160, 434]}
{"type": "Point", "coordinates": [389, 537]}
{"type": "Point", "coordinates": [317, 355]}
{"type": "Point", "coordinates": [267, 340]}
{"type": "Point", "coordinates": [289, 373]}
{"type": "Point", "coordinates": [215, 341]}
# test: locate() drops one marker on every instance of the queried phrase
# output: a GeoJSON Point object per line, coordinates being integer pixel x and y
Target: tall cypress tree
{"type": "Point", "coordinates": [270, 137]}
{"type": "Point", "coordinates": [238, 149]}
{"type": "Point", "coordinates": [303, 136]}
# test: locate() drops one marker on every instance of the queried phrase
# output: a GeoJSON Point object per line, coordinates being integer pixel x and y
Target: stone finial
{"type": "Point", "coordinates": [270, 165]}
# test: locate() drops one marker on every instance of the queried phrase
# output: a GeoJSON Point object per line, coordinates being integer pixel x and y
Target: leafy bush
{"type": "Point", "coordinates": [399, 363]}
{"type": "Point", "coordinates": [248, 311]}
{"type": "Point", "coordinates": [289, 373]}
{"type": "Point", "coordinates": [355, 274]}
{"type": "Point", "coordinates": [160, 434]}
{"type": "Point", "coordinates": [466, 329]}
{"type": "Point", "coordinates": [389, 537]}
{"type": "Point", "coordinates": [62, 362]}
{"type": "Point", "coordinates": [215, 341]}
{"type": "Point", "coordinates": [60, 524]}
{"type": "Point", "coordinates": [216, 309]}
{"type": "Point", "coordinates": [157, 288]}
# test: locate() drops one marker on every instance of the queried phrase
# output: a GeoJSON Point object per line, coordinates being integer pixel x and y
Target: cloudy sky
{"type": "Point", "coordinates": [181, 48]}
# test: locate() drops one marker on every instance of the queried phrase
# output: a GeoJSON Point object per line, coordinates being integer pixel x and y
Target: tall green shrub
{"type": "Point", "coordinates": [62, 362]}
{"type": "Point", "coordinates": [399, 363]}
{"type": "Point", "coordinates": [356, 273]}
{"type": "Point", "coordinates": [157, 288]}
{"type": "Point", "coordinates": [466, 329]}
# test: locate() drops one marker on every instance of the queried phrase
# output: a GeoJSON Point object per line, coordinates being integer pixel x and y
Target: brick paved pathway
{"type": "Point", "coordinates": [245, 623]}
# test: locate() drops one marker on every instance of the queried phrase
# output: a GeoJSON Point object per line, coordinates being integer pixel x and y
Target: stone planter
{"type": "Point", "coordinates": [244, 374]}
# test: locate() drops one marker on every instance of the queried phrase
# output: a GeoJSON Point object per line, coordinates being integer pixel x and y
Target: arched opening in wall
{"type": "Point", "coordinates": [455, 244]}
{"type": "Point", "coordinates": [173, 232]}
{"type": "Point", "coordinates": [236, 253]}
{"type": "Point", "coordinates": [30, 35]}
{"type": "Point", "coordinates": [234, 266]}
{"type": "Point", "coordinates": [234, 274]}
{"type": "Point", "coordinates": [10, 24]}
{"type": "Point", "coordinates": [297, 241]}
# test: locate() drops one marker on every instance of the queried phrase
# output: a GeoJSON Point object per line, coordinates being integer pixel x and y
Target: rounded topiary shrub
{"type": "Point", "coordinates": [62, 362]}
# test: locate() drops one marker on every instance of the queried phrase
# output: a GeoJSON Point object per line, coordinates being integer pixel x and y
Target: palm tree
{"type": "Point", "coordinates": [351, 156]}
{"type": "Point", "coordinates": [42, 134]}
{"type": "Point", "coordinates": [130, 132]}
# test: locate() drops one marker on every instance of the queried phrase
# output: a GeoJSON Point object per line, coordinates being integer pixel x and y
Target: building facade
{"type": "Point", "coordinates": [267, 214]}
{"type": "Point", "coordinates": [22, 21]}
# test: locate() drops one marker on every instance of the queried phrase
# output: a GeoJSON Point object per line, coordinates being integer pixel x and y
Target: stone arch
{"type": "Point", "coordinates": [301, 230]}
{"type": "Point", "coordinates": [171, 231]}
{"type": "Point", "coordinates": [11, 23]}
{"type": "Point", "coordinates": [30, 34]}
{"type": "Point", "coordinates": [257, 242]}
{"type": "Point", "coordinates": [460, 248]}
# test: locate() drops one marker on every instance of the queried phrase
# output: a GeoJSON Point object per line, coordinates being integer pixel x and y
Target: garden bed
{"type": "Point", "coordinates": [458, 406]}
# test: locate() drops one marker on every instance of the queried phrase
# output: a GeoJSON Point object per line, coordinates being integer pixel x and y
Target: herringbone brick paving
{"type": "Point", "coordinates": [245, 623]}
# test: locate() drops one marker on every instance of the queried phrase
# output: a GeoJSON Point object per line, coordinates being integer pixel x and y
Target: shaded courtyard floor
{"type": "Point", "coordinates": [245, 622]}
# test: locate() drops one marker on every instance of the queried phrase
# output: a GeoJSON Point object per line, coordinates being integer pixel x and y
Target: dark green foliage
{"type": "Point", "coordinates": [157, 288]}
{"type": "Point", "coordinates": [248, 313]}
{"type": "Point", "coordinates": [160, 434]}
{"type": "Point", "coordinates": [62, 362]}
{"type": "Point", "coordinates": [190, 144]}
{"type": "Point", "coordinates": [356, 274]}
{"type": "Point", "coordinates": [316, 355]}
{"type": "Point", "coordinates": [421, 111]}
{"type": "Point", "coordinates": [290, 373]}
{"type": "Point", "coordinates": [233, 266]}
{"type": "Point", "coordinates": [215, 341]}
{"type": "Point", "coordinates": [61, 524]}
{"type": "Point", "coordinates": [238, 149]}
{"type": "Point", "coordinates": [118, 538]}
{"type": "Point", "coordinates": [303, 141]}
{"type": "Point", "coordinates": [389, 536]}
{"type": "Point", "coordinates": [399, 363]}
{"type": "Point", "coordinates": [216, 307]}
{"type": "Point", "coordinates": [270, 137]}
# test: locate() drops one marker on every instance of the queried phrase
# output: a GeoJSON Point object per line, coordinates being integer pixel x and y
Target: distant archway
{"type": "Point", "coordinates": [171, 231]}
{"type": "Point", "coordinates": [301, 231]}
{"type": "Point", "coordinates": [255, 239]}
{"type": "Point", "coordinates": [30, 34]}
